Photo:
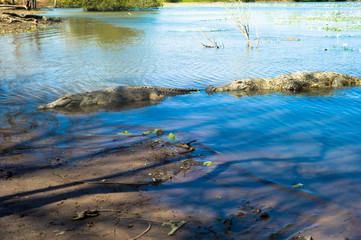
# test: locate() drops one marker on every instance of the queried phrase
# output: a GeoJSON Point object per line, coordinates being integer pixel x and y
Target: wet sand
{"type": "Point", "coordinates": [40, 201]}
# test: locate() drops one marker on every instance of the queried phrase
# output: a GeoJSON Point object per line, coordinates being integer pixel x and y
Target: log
{"type": "Point", "coordinates": [11, 7]}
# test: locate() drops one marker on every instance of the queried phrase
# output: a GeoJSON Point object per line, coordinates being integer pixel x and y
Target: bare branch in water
{"type": "Point", "coordinates": [213, 42]}
{"type": "Point", "coordinates": [241, 19]}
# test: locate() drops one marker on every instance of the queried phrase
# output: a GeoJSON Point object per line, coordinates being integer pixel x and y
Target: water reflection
{"type": "Point", "coordinates": [110, 108]}
{"type": "Point", "coordinates": [326, 92]}
{"type": "Point", "coordinates": [107, 36]}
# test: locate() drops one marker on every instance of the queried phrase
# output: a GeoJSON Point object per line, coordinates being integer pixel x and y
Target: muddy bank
{"type": "Point", "coordinates": [40, 201]}
{"type": "Point", "coordinates": [18, 21]}
{"type": "Point", "coordinates": [125, 191]}
{"type": "Point", "coordinates": [147, 188]}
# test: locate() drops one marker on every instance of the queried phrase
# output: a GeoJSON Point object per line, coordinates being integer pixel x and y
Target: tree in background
{"type": "Point", "coordinates": [30, 4]}
{"type": "Point", "coordinates": [108, 5]}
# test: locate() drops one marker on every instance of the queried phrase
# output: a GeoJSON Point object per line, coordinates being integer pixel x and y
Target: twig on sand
{"type": "Point", "coordinates": [144, 232]}
{"type": "Point", "coordinates": [63, 178]}
{"type": "Point", "coordinates": [104, 182]}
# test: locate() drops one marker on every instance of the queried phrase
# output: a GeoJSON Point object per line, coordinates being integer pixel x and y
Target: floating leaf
{"type": "Point", "coordinates": [172, 137]}
{"type": "Point", "coordinates": [124, 133]}
{"type": "Point", "coordinates": [208, 163]}
{"type": "Point", "coordinates": [148, 132]}
{"type": "Point", "coordinates": [174, 225]}
{"type": "Point", "coordinates": [218, 197]}
{"type": "Point", "coordinates": [159, 132]}
{"type": "Point", "coordinates": [298, 185]}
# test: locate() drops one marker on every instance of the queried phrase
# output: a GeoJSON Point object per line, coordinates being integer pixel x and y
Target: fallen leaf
{"type": "Point", "coordinates": [124, 133]}
{"type": "Point", "coordinates": [218, 197]}
{"type": "Point", "coordinates": [208, 163]}
{"type": "Point", "coordinates": [148, 132]}
{"type": "Point", "coordinates": [298, 185]}
{"type": "Point", "coordinates": [174, 225]}
{"type": "Point", "coordinates": [171, 136]}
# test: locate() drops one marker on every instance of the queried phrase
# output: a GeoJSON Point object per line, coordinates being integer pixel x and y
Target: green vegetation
{"type": "Point", "coordinates": [69, 3]}
{"type": "Point", "coordinates": [114, 5]}
{"type": "Point", "coordinates": [174, 1]}
{"type": "Point", "coordinates": [108, 5]}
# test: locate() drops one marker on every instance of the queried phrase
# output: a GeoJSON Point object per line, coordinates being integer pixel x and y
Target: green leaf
{"type": "Point", "coordinates": [218, 197]}
{"type": "Point", "coordinates": [298, 185]}
{"type": "Point", "coordinates": [172, 137]}
{"type": "Point", "coordinates": [148, 132]}
{"type": "Point", "coordinates": [208, 163]}
{"type": "Point", "coordinates": [124, 133]}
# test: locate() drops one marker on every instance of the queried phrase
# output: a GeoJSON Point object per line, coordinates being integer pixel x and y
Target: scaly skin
{"type": "Point", "coordinates": [131, 97]}
{"type": "Point", "coordinates": [298, 81]}
{"type": "Point", "coordinates": [114, 96]}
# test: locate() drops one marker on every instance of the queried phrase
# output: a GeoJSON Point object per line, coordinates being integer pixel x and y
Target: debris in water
{"type": "Point", "coordinates": [171, 136]}
{"type": "Point", "coordinates": [174, 225]}
{"type": "Point", "coordinates": [208, 163]}
{"type": "Point", "coordinates": [298, 185]}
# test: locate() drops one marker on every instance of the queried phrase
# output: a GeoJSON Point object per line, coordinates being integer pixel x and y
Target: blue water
{"type": "Point", "coordinates": [312, 138]}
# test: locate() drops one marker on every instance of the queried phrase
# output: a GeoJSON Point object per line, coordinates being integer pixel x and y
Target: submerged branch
{"type": "Point", "coordinates": [213, 42]}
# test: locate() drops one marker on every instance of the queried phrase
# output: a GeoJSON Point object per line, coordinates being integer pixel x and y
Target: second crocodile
{"type": "Point", "coordinates": [296, 82]}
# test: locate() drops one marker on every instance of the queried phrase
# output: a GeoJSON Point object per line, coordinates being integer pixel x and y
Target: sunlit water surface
{"type": "Point", "coordinates": [274, 140]}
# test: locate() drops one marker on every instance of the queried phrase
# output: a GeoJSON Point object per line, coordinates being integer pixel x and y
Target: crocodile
{"type": "Point", "coordinates": [132, 97]}
{"type": "Point", "coordinates": [296, 82]}
{"type": "Point", "coordinates": [129, 97]}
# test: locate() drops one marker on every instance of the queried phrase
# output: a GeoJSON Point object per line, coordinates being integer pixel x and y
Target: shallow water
{"type": "Point", "coordinates": [265, 144]}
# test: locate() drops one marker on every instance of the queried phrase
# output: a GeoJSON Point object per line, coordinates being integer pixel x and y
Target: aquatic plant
{"type": "Point", "coordinates": [334, 21]}
{"type": "Point", "coordinates": [241, 21]}
{"type": "Point", "coordinates": [344, 48]}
